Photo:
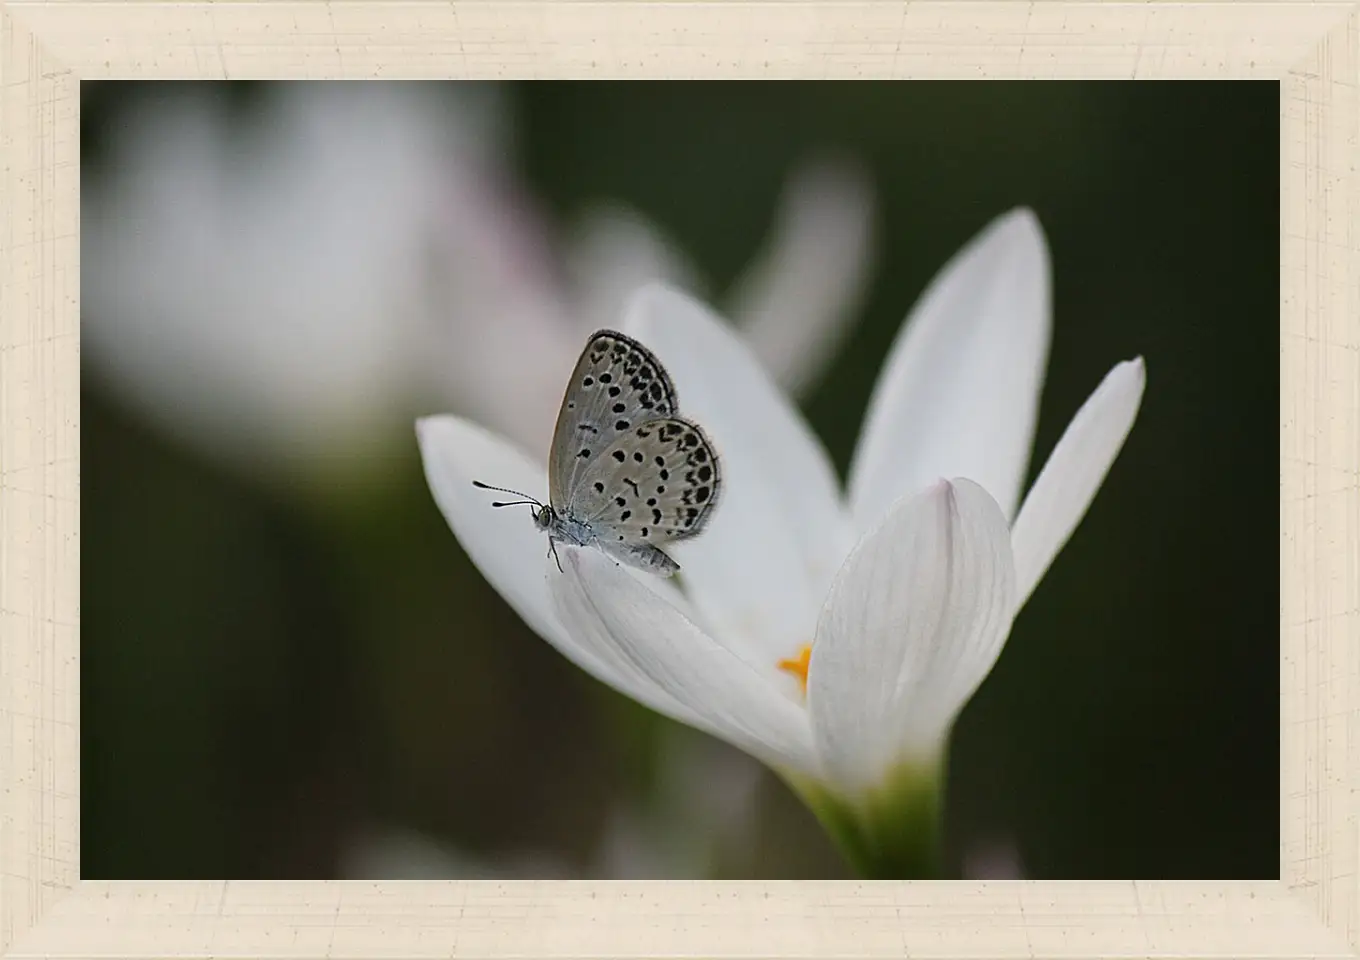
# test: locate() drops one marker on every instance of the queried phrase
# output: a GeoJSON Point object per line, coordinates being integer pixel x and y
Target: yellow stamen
{"type": "Point", "coordinates": [798, 666]}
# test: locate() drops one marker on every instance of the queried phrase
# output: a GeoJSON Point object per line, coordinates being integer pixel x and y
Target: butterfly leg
{"type": "Point", "coordinates": [552, 552]}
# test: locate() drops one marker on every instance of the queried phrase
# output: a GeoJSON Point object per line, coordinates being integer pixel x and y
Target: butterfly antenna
{"type": "Point", "coordinates": [528, 500]}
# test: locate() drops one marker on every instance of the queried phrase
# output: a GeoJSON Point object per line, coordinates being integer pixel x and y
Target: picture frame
{"type": "Point", "coordinates": [47, 48]}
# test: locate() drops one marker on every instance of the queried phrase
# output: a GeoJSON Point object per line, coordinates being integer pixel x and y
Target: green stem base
{"type": "Point", "coordinates": [890, 833]}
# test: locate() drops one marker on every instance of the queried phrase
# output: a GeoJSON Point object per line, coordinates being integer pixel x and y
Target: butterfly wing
{"type": "Point", "coordinates": [654, 484]}
{"type": "Point", "coordinates": [617, 385]}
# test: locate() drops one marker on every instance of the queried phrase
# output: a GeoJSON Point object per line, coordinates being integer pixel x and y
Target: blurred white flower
{"type": "Point", "coordinates": [286, 288]}
{"type": "Point", "coordinates": [993, 860]}
{"type": "Point", "coordinates": [524, 308]}
{"type": "Point", "coordinates": [701, 805]}
{"type": "Point", "coordinates": [835, 638]}
{"type": "Point", "coordinates": [395, 853]}
{"type": "Point", "coordinates": [254, 287]}
{"type": "Point", "coordinates": [699, 809]}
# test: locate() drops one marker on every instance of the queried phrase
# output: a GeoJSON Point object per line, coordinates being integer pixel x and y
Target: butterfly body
{"type": "Point", "coordinates": [626, 473]}
{"type": "Point", "coordinates": [582, 533]}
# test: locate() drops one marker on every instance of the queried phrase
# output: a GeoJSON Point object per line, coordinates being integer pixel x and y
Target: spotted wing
{"type": "Point", "coordinates": [617, 385]}
{"type": "Point", "coordinates": [655, 484]}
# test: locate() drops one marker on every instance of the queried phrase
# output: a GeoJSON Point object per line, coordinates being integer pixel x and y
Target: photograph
{"type": "Point", "coordinates": [680, 480]}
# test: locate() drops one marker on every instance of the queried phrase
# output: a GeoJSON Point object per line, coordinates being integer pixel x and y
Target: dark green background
{"type": "Point", "coordinates": [258, 677]}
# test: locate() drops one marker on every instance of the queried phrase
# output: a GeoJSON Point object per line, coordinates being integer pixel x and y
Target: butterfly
{"type": "Point", "coordinates": [626, 473]}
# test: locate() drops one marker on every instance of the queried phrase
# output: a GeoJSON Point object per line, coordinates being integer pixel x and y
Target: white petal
{"type": "Point", "coordinates": [959, 393]}
{"type": "Point", "coordinates": [778, 534]}
{"type": "Point", "coordinates": [795, 302]}
{"type": "Point", "coordinates": [1074, 471]}
{"type": "Point", "coordinates": [913, 623]}
{"type": "Point", "coordinates": [503, 543]}
{"type": "Point", "coordinates": [635, 629]}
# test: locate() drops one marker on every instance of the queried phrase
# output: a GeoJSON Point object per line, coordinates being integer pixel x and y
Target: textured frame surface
{"type": "Point", "coordinates": [47, 47]}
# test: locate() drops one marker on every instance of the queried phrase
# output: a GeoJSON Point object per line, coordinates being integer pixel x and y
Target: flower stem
{"type": "Point", "coordinates": [892, 833]}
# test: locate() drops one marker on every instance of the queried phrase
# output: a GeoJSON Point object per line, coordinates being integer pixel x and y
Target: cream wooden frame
{"type": "Point", "coordinates": [47, 47]}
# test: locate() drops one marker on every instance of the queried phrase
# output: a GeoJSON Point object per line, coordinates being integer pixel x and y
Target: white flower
{"type": "Point", "coordinates": [260, 288]}
{"type": "Point", "coordinates": [891, 602]}
{"type": "Point", "coordinates": [285, 290]}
